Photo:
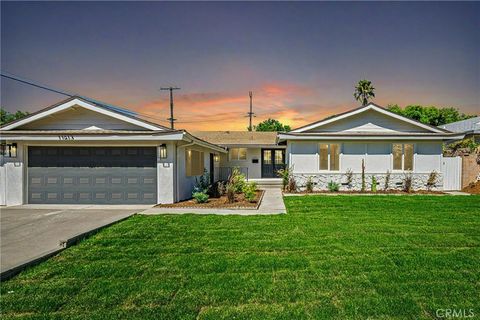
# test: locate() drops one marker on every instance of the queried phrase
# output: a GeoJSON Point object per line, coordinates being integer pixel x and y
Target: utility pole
{"type": "Point", "coordinates": [171, 119]}
{"type": "Point", "coordinates": [251, 113]}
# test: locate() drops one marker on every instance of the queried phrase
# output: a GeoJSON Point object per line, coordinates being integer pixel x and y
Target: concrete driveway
{"type": "Point", "coordinates": [30, 232]}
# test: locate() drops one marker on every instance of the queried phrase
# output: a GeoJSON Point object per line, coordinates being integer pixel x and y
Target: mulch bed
{"type": "Point", "coordinates": [369, 192]}
{"type": "Point", "coordinates": [473, 188]}
{"type": "Point", "coordinates": [222, 202]}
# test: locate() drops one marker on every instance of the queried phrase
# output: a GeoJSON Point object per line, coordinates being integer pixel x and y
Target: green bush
{"type": "Point", "coordinates": [373, 188]}
{"type": "Point", "coordinates": [333, 186]}
{"type": "Point", "coordinates": [250, 191]}
{"type": "Point", "coordinates": [285, 175]}
{"type": "Point", "coordinates": [203, 184]}
{"type": "Point", "coordinates": [201, 197]}
{"type": "Point", "coordinates": [237, 180]}
{"type": "Point", "coordinates": [230, 191]}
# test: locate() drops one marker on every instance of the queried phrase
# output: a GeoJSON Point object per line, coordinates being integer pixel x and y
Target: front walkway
{"type": "Point", "coordinates": [272, 203]}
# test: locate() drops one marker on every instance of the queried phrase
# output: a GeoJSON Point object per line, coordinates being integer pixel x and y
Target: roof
{"type": "Point", "coordinates": [370, 106]}
{"type": "Point", "coordinates": [112, 110]}
{"type": "Point", "coordinates": [472, 124]}
{"type": "Point", "coordinates": [226, 138]}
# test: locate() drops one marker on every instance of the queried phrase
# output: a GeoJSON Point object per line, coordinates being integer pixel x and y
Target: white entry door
{"type": "Point", "coordinates": [452, 173]}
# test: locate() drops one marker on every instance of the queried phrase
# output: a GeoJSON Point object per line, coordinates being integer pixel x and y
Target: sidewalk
{"type": "Point", "coordinates": [272, 203]}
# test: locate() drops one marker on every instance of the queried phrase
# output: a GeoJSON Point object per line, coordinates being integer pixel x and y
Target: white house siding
{"type": "Point", "coordinates": [166, 174]}
{"type": "Point", "coordinates": [377, 157]}
{"type": "Point", "coordinates": [254, 169]}
{"type": "Point", "coordinates": [79, 119]}
{"type": "Point", "coordinates": [368, 121]}
{"type": "Point", "coordinates": [12, 177]}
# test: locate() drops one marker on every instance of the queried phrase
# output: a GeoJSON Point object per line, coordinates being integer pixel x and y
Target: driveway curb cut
{"type": "Point", "coordinates": [64, 244]}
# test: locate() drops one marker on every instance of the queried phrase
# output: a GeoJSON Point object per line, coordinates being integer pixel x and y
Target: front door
{"type": "Point", "coordinates": [212, 168]}
{"type": "Point", "coordinates": [272, 161]}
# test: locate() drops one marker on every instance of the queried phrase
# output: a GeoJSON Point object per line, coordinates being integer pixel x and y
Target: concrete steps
{"type": "Point", "coordinates": [268, 183]}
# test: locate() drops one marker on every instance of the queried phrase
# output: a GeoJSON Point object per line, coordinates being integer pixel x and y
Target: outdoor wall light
{"type": "Point", "coordinates": [9, 150]}
{"type": "Point", "coordinates": [216, 157]}
{"type": "Point", "coordinates": [163, 151]}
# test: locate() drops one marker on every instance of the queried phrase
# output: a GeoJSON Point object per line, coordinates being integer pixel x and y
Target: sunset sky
{"type": "Point", "coordinates": [301, 60]}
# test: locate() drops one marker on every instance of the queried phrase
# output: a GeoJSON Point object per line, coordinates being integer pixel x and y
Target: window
{"type": "Point", "coordinates": [402, 156]}
{"type": "Point", "coordinates": [267, 156]}
{"type": "Point", "coordinates": [194, 163]}
{"type": "Point", "coordinates": [329, 156]}
{"type": "Point", "coordinates": [279, 157]}
{"type": "Point", "coordinates": [238, 154]}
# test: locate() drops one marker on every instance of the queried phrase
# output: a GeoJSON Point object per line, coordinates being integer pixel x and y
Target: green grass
{"type": "Point", "coordinates": [344, 257]}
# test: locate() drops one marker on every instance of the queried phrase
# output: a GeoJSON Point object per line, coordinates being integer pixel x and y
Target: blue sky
{"type": "Point", "coordinates": [301, 60]}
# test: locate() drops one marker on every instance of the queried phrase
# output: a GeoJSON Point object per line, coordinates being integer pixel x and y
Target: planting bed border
{"type": "Point", "coordinates": [262, 193]}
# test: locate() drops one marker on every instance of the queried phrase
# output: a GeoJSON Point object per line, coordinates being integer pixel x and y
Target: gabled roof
{"type": "Point", "coordinates": [370, 106]}
{"type": "Point", "coordinates": [238, 138]}
{"type": "Point", "coordinates": [117, 113]}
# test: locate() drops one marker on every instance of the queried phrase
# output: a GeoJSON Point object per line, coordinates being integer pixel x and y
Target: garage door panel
{"type": "Point", "coordinates": [123, 181]}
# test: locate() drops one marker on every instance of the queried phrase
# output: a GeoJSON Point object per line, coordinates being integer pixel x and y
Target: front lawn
{"type": "Point", "coordinates": [344, 257]}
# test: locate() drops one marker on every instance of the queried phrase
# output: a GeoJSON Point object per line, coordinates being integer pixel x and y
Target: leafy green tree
{"type": "Point", "coordinates": [364, 90]}
{"type": "Point", "coordinates": [430, 114]}
{"type": "Point", "coordinates": [272, 125]}
{"type": "Point", "coordinates": [6, 117]}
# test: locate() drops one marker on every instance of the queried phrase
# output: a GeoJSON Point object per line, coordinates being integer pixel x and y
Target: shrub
{"type": "Point", "coordinates": [309, 185]}
{"type": "Point", "coordinates": [363, 176]}
{"type": "Point", "coordinates": [201, 197]}
{"type": "Point", "coordinates": [333, 186]}
{"type": "Point", "coordinates": [407, 182]}
{"type": "Point", "coordinates": [220, 188]}
{"type": "Point", "coordinates": [432, 180]}
{"type": "Point", "coordinates": [285, 175]}
{"type": "Point", "coordinates": [250, 191]}
{"type": "Point", "coordinates": [237, 180]}
{"type": "Point", "coordinates": [292, 185]}
{"type": "Point", "coordinates": [202, 184]}
{"type": "Point", "coordinates": [373, 188]}
{"type": "Point", "coordinates": [349, 175]}
{"type": "Point", "coordinates": [387, 181]}
{"type": "Point", "coordinates": [230, 191]}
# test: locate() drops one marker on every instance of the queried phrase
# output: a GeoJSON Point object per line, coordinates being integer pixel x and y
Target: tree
{"type": "Point", "coordinates": [272, 125]}
{"type": "Point", "coordinates": [364, 90]}
{"type": "Point", "coordinates": [6, 117]}
{"type": "Point", "coordinates": [430, 114]}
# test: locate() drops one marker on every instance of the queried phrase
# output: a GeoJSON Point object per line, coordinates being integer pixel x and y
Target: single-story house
{"type": "Point", "coordinates": [258, 155]}
{"type": "Point", "coordinates": [85, 152]}
{"type": "Point", "coordinates": [388, 145]}
{"type": "Point", "coordinates": [469, 127]}
{"type": "Point", "coordinates": [81, 151]}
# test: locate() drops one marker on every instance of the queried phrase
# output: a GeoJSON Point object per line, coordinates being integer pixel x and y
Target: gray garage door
{"type": "Point", "coordinates": [92, 175]}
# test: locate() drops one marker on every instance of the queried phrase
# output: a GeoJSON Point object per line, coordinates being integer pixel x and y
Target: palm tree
{"type": "Point", "coordinates": [364, 91]}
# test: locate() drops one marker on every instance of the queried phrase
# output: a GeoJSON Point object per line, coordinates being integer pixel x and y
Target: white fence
{"type": "Point", "coordinates": [452, 173]}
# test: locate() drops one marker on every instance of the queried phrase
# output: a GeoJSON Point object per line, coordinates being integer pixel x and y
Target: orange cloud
{"type": "Point", "coordinates": [294, 105]}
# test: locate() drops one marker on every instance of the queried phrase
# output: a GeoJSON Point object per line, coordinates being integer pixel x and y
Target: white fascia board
{"type": "Point", "coordinates": [193, 139]}
{"type": "Point", "coordinates": [66, 137]}
{"type": "Point", "coordinates": [366, 108]}
{"type": "Point", "coordinates": [85, 105]}
{"type": "Point", "coordinates": [333, 137]}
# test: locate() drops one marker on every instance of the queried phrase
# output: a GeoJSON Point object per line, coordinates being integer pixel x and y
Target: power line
{"type": "Point", "coordinates": [31, 83]}
{"type": "Point", "coordinates": [171, 119]}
